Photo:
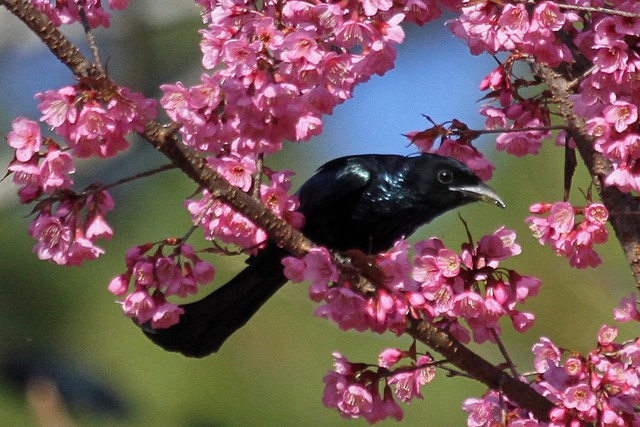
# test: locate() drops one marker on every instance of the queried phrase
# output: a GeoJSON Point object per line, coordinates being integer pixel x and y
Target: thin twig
{"type": "Point", "coordinates": [591, 9]}
{"type": "Point", "coordinates": [91, 40]}
{"type": "Point", "coordinates": [523, 129]}
{"type": "Point", "coordinates": [604, 10]}
{"type": "Point", "coordinates": [131, 178]}
{"type": "Point", "coordinates": [60, 46]}
{"type": "Point", "coordinates": [455, 372]}
{"type": "Point", "coordinates": [505, 353]}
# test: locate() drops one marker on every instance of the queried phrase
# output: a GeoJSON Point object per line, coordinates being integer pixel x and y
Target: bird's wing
{"type": "Point", "coordinates": [335, 181]}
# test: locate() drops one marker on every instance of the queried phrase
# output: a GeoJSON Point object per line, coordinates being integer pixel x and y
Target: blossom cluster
{"type": "Point", "coordinates": [67, 230]}
{"type": "Point", "coordinates": [354, 388]}
{"type": "Point", "coordinates": [437, 285]}
{"type": "Point", "coordinates": [275, 68]}
{"type": "Point", "coordinates": [523, 121]}
{"type": "Point", "coordinates": [511, 27]}
{"type": "Point", "coordinates": [278, 67]}
{"type": "Point", "coordinates": [67, 225]}
{"type": "Point", "coordinates": [607, 95]}
{"type": "Point", "coordinates": [569, 238]}
{"type": "Point", "coordinates": [220, 222]}
{"type": "Point", "coordinates": [65, 12]}
{"type": "Point", "coordinates": [601, 388]}
{"type": "Point", "coordinates": [153, 277]}
{"type": "Point", "coordinates": [95, 122]}
{"type": "Point", "coordinates": [39, 166]}
{"type": "Point", "coordinates": [92, 123]}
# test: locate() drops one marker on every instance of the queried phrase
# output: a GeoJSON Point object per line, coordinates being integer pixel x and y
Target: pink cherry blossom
{"type": "Point", "coordinates": [27, 176]}
{"type": "Point", "coordinates": [165, 315]}
{"type": "Point", "coordinates": [54, 171]}
{"type": "Point", "coordinates": [156, 277]}
{"type": "Point", "coordinates": [546, 354]}
{"type": "Point", "coordinates": [628, 309]}
{"type": "Point", "coordinates": [357, 400]}
{"type": "Point", "coordinates": [54, 238]}
{"type": "Point", "coordinates": [607, 335]}
{"type": "Point", "coordinates": [580, 397]}
{"type": "Point", "coordinates": [98, 228]}
{"type": "Point", "coordinates": [139, 305]}
{"type": "Point", "coordinates": [238, 172]}
{"type": "Point", "coordinates": [568, 238]}
{"type": "Point", "coordinates": [57, 107]}
{"type": "Point", "coordinates": [621, 115]}
{"type": "Point", "coordinates": [390, 357]}
{"type": "Point", "coordinates": [82, 249]}
{"type": "Point", "coordinates": [25, 138]}
{"type": "Point", "coordinates": [547, 17]}
{"type": "Point", "coordinates": [119, 285]}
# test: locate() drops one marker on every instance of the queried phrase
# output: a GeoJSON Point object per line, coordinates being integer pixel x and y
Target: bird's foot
{"type": "Point", "coordinates": [361, 270]}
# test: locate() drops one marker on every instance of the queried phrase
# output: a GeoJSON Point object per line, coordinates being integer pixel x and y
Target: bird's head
{"type": "Point", "coordinates": [446, 183]}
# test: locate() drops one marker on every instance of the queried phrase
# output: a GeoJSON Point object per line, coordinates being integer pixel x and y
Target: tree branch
{"type": "Point", "coordinates": [164, 139]}
{"type": "Point", "coordinates": [59, 45]}
{"type": "Point", "coordinates": [478, 368]}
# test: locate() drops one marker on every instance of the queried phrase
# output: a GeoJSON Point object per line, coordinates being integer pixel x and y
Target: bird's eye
{"type": "Point", "coordinates": [445, 176]}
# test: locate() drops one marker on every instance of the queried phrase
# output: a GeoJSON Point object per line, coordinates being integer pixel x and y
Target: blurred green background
{"type": "Point", "coordinates": [270, 372]}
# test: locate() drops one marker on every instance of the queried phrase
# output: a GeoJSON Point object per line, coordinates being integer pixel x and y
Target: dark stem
{"type": "Point", "coordinates": [131, 178]}
{"type": "Point", "coordinates": [505, 353]}
{"type": "Point", "coordinates": [91, 40]}
{"type": "Point", "coordinates": [59, 45]}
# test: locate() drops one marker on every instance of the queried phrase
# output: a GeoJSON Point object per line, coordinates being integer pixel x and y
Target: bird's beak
{"type": "Point", "coordinates": [480, 192]}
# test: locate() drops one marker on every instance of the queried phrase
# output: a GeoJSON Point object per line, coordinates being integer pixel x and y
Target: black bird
{"type": "Point", "coordinates": [364, 202]}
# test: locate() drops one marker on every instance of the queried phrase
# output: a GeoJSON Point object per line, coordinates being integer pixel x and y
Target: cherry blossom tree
{"type": "Point", "coordinates": [271, 72]}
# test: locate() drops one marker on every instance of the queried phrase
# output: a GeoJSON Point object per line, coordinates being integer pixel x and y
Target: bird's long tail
{"type": "Point", "coordinates": [206, 324]}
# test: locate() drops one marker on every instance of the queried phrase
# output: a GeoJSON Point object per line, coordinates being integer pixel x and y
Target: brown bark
{"type": "Point", "coordinates": [480, 369]}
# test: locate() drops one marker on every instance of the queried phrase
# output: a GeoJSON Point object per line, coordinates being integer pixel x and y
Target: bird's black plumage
{"type": "Point", "coordinates": [363, 202]}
